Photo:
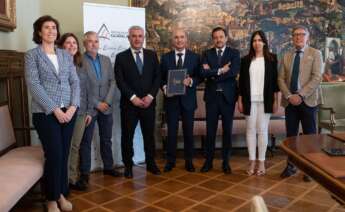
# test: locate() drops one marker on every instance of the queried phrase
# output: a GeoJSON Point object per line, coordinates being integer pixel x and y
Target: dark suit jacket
{"type": "Point", "coordinates": [226, 81]}
{"type": "Point", "coordinates": [192, 64]}
{"type": "Point", "coordinates": [270, 84]}
{"type": "Point", "coordinates": [130, 82]}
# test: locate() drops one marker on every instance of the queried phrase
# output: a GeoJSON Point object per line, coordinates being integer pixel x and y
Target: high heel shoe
{"type": "Point", "coordinates": [65, 205]}
{"type": "Point", "coordinates": [261, 169]}
{"type": "Point", "coordinates": [52, 207]}
{"type": "Point", "coordinates": [251, 168]}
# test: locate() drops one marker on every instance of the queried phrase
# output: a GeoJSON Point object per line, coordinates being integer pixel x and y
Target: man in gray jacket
{"type": "Point", "coordinates": [102, 86]}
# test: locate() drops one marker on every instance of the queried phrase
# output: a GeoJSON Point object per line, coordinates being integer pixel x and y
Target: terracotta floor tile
{"type": "Point", "coordinates": [216, 185]}
{"type": "Point", "coordinates": [196, 193]}
{"type": "Point", "coordinates": [150, 209]}
{"type": "Point", "coordinates": [247, 208]}
{"type": "Point", "coordinates": [297, 180]}
{"type": "Point", "coordinates": [172, 186]}
{"type": "Point", "coordinates": [176, 172]}
{"type": "Point", "coordinates": [288, 190]}
{"type": "Point", "coordinates": [150, 180]}
{"type": "Point", "coordinates": [304, 206]}
{"type": "Point", "coordinates": [149, 195]}
{"type": "Point", "coordinates": [276, 200]}
{"type": "Point", "coordinates": [107, 180]}
{"type": "Point", "coordinates": [99, 209]}
{"type": "Point", "coordinates": [81, 205]}
{"type": "Point", "coordinates": [224, 202]}
{"type": "Point", "coordinates": [175, 203]}
{"type": "Point", "coordinates": [244, 192]}
{"type": "Point", "coordinates": [204, 208]}
{"type": "Point", "coordinates": [259, 182]}
{"type": "Point", "coordinates": [319, 197]}
{"type": "Point", "coordinates": [126, 187]}
{"type": "Point", "coordinates": [192, 178]}
{"type": "Point", "coordinates": [235, 177]}
{"type": "Point", "coordinates": [124, 204]}
{"type": "Point", "coordinates": [101, 196]}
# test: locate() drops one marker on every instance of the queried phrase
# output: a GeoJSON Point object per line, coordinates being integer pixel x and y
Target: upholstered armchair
{"type": "Point", "coordinates": [331, 115]}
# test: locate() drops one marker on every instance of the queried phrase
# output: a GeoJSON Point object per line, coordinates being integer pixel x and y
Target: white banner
{"type": "Point", "coordinates": [112, 23]}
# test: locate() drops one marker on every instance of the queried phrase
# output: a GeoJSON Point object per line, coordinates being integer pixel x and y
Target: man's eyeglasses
{"type": "Point", "coordinates": [299, 34]}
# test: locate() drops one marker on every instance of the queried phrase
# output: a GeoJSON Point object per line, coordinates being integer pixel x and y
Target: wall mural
{"type": "Point", "coordinates": [325, 18]}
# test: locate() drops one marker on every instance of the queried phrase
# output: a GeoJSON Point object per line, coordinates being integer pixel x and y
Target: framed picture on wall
{"type": "Point", "coordinates": [7, 15]}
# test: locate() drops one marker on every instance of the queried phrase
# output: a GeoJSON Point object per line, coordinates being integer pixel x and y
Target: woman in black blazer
{"type": "Point", "coordinates": [258, 97]}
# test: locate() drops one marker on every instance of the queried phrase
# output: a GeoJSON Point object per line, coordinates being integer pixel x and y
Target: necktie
{"type": "Point", "coordinates": [179, 61]}
{"type": "Point", "coordinates": [139, 62]}
{"type": "Point", "coordinates": [295, 73]}
{"type": "Point", "coordinates": [219, 56]}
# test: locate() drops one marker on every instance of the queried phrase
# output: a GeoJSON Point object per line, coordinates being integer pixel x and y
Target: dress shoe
{"type": "Point", "coordinates": [206, 167]}
{"type": "Point", "coordinates": [153, 169]}
{"type": "Point", "coordinates": [189, 166]}
{"type": "Point", "coordinates": [288, 171]}
{"type": "Point", "coordinates": [128, 172]}
{"type": "Point", "coordinates": [79, 186]}
{"type": "Point", "coordinates": [168, 167]}
{"type": "Point", "coordinates": [226, 168]}
{"type": "Point", "coordinates": [112, 172]}
{"type": "Point", "coordinates": [306, 178]}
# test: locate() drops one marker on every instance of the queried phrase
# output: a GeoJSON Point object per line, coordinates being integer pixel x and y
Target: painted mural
{"type": "Point", "coordinates": [325, 18]}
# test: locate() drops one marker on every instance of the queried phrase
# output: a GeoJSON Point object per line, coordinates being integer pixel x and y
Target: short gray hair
{"type": "Point", "coordinates": [300, 27]}
{"type": "Point", "coordinates": [88, 33]}
{"type": "Point", "coordinates": [135, 27]}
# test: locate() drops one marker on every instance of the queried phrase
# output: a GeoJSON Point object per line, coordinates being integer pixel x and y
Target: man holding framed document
{"type": "Point", "coordinates": [180, 76]}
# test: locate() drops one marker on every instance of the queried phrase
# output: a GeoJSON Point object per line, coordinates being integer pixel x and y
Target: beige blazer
{"type": "Point", "coordinates": [310, 71]}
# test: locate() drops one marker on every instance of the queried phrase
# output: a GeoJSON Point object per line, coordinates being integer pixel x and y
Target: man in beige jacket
{"type": "Point", "coordinates": [299, 80]}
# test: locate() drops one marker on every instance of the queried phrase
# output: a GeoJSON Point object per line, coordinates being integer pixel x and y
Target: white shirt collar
{"type": "Point", "coordinates": [223, 49]}
{"type": "Point", "coordinates": [183, 52]}
{"type": "Point", "coordinates": [134, 50]}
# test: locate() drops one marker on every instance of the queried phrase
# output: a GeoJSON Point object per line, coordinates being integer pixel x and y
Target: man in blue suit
{"type": "Point", "coordinates": [220, 66]}
{"type": "Point", "coordinates": [180, 106]}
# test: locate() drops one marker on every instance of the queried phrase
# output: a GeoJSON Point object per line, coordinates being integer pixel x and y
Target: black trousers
{"type": "Point", "coordinates": [130, 115]}
{"type": "Point", "coordinates": [294, 115]}
{"type": "Point", "coordinates": [173, 117]}
{"type": "Point", "coordinates": [56, 141]}
{"type": "Point", "coordinates": [214, 109]}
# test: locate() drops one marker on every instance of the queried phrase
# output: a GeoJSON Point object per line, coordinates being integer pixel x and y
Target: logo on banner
{"type": "Point", "coordinates": [104, 32]}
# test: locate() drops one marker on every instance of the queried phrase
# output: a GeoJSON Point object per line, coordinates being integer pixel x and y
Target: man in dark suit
{"type": "Point", "coordinates": [138, 78]}
{"type": "Point", "coordinates": [183, 105]}
{"type": "Point", "coordinates": [220, 66]}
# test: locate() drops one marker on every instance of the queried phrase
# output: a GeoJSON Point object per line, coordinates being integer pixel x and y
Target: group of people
{"type": "Point", "coordinates": [71, 91]}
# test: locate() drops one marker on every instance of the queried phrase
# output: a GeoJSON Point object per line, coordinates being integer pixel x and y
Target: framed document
{"type": "Point", "coordinates": [175, 84]}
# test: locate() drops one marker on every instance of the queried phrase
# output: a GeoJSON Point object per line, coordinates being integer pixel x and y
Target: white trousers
{"type": "Point", "coordinates": [257, 123]}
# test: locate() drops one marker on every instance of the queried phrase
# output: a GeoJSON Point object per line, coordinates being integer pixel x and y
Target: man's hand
{"type": "Point", "coordinates": [102, 106]}
{"type": "Point", "coordinates": [295, 99]}
{"type": "Point", "coordinates": [206, 66]}
{"type": "Point", "coordinates": [88, 120]}
{"type": "Point", "coordinates": [147, 101]}
{"type": "Point", "coordinates": [225, 68]}
{"type": "Point", "coordinates": [275, 106]}
{"type": "Point", "coordinates": [187, 81]}
{"type": "Point", "coordinates": [138, 102]}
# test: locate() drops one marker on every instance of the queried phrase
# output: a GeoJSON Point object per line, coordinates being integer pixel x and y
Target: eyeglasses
{"type": "Point", "coordinates": [299, 34]}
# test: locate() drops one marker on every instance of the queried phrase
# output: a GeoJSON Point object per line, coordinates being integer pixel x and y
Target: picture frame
{"type": "Point", "coordinates": [7, 15]}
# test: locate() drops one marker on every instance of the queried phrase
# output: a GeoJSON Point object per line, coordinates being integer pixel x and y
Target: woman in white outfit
{"type": "Point", "coordinates": [258, 98]}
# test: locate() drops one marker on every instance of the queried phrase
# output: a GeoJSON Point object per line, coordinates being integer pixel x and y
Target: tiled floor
{"type": "Point", "coordinates": [183, 191]}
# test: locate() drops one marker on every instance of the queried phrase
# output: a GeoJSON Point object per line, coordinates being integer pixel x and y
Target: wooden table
{"type": "Point", "coordinates": [296, 147]}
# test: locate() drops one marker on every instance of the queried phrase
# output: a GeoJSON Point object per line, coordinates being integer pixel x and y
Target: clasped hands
{"type": "Point", "coordinates": [295, 99]}
{"type": "Point", "coordinates": [64, 117]}
{"type": "Point", "coordinates": [144, 102]}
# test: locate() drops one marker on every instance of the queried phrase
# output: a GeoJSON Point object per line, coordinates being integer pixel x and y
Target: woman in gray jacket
{"type": "Point", "coordinates": [54, 86]}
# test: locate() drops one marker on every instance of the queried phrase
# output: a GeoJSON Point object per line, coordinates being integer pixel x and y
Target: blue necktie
{"type": "Point", "coordinates": [295, 73]}
{"type": "Point", "coordinates": [219, 56]}
{"type": "Point", "coordinates": [139, 62]}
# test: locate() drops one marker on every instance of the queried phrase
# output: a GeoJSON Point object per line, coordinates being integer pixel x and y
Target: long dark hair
{"type": "Point", "coordinates": [77, 59]}
{"type": "Point", "coordinates": [267, 54]}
